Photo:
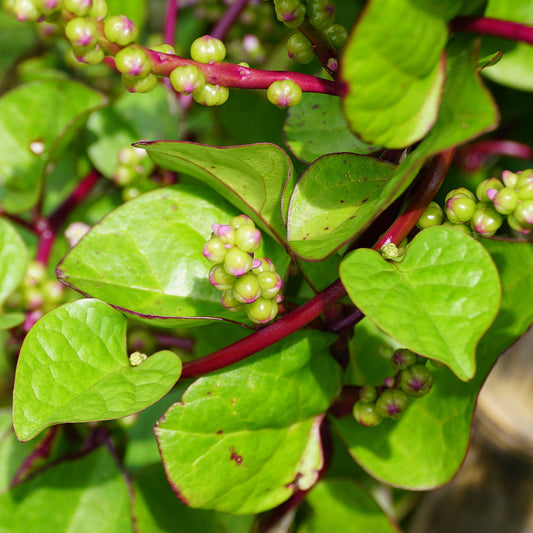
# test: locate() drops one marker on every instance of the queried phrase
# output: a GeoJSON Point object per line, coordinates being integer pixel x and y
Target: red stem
{"type": "Point", "coordinates": [513, 31]}
{"type": "Point", "coordinates": [230, 16]}
{"type": "Point", "coordinates": [171, 15]}
{"type": "Point", "coordinates": [432, 178]}
{"type": "Point", "coordinates": [474, 155]}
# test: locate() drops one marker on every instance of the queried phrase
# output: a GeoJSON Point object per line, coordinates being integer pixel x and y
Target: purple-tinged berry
{"type": "Point", "coordinates": [459, 209]}
{"type": "Point", "coordinates": [26, 10]}
{"type": "Point", "coordinates": [241, 220]}
{"type": "Point", "coordinates": [237, 262]}
{"type": "Point", "coordinates": [225, 233]}
{"type": "Point", "coordinates": [98, 10]}
{"type": "Point", "coordinates": [270, 283]}
{"type": "Point", "coordinates": [486, 221]}
{"type": "Point", "coordinates": [247, 238]}
{"type": "Point", "coordinates": [80, 8]}
{"type": "Point", "coordinates": [392, 403]}
{"type": "Point", "coordinates": [337, 35]}
{"type": "Point", "coordinates": [509, 178]}
{"type": "Point", "coordinates": [368, 394]}
{"type": "Point", "coordinates": [514, 224]}
{"type": "Point", "coordinates": [262, 311]}
{"type": "Point", "coordinates": [230, 303]}
{"type": "Point", "coordinates": [505, 201]}
{"type": "Point", "coordinates": [432, 216]}
{"type": "Point", "coordinates": [524, 213]}
{"type": "Point", "coordinates": [215, 250]}
{"type": "Point", "coordinates": [487, 185]}
{"type": "Point", "coordinates": [144, 84]}
{"type": "Point", "coordinates": [131, 156]}
{"type": "Point", "coordinates": [121, 30]}
{"type": "Point", "coordinates": [299, 48]}
{"type": "Point", "coordinates": [403, 358]}
{"type": "Point", "coordinates": [416, 380]}
{"type": "Point", "coordinates": [207, 49]}
{"type": "Point", "coordinates": [462, 192]}
{"type": "Point", "coordinates": [284, 93]}
{"type": "Point", "coordinates": [321, 13]}
{"type": "Point", "coordinates": [220, 279]}
{"type": "Point", "coordinates": [290, 12]}
{"type": "Point", "coordinates": [246, 289]}
{"type": "Point", "coordinates": [93, 56]}
{"type": "Point", "coordinates": [164, 49]}
{"type": "Point", "coordinates": [133, 62]}
{"type": "Point", "coordinates": [211, 95]}
{"type": "Point", "coordinates": [81, 32]}
{"type": "Point", "coordinates": [48, 7]}
{"type": "Point", "coordinates": [186, 79]}
{"type": "Point", "coordinates": [366, 414]}
{"type": "Point", "coordinates": [265, 265]}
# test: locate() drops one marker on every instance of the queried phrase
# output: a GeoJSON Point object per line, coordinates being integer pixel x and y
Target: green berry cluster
{"type": "Point", "coordinates": [246, 282]}
{"type": "Point", "coordinates": [132, 172]}
{"type": "Point", "coordinates": [485, 212]}
{"type": "Point", "coordinates": [412, 379]}
{"type": "Point", "coordinates": [188, 79]}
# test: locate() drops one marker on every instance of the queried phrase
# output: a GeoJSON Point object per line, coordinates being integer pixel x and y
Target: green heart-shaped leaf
{"type": "Point", "coordinates": [243, 439]}
{"type": "Point", "coordinates": [73, 367]}
{"type": "Point", "coordinates": [438, 301]}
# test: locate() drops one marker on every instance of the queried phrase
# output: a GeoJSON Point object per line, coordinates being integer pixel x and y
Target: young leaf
{"type": "Point", "coordinates": [438, 301]}
{"type": "Point", "coordinates": [316, 127]}
{"type": "Point", "coordinates": [82, 495]}
{"type": "Point", "coordinates": [146, 257]}
{"type": "Point", "coordinates": [427, 445]}
{"type": "Point", "coordinates": [341, 505]}
{"type": "Point", "coordinates": [256, 178]}
{"type": "Point", "coordinates": [333, 200]}
{"type": "Point", "coordinates": [73, 367]}
{"type": "Point", "coordinates": [394, 81]}
{"type": "Point", "coordinates": [242, 440]}
{"type": "Point", "coordinates": [36, 122]}
{"type": "Point", "coordinates": [13, 260]}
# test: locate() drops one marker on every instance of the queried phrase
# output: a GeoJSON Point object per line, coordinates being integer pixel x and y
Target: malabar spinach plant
{"type": "Point", "coordinates": [222, 315]}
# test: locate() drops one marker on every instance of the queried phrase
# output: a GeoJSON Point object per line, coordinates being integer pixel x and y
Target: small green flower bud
{"type": "Point", "coordinates": [321, 13]}
{"type": "Point", "coordinates": [290, 12]}
{"type": "Point", "coordinates": [299, 48]}
{"type": "Point", "coordinates": [368, 394]}
{"type": "Point", "coordinates": [247, 238]}
{"type": "Point", "coordinates": [230, 302]}
{"type": "Point", "coordinates": [133, 62]}
{"type": "Point", "coordinates": [462, 192]}
{"type": "Point", "coordinates": [266, 265]}
{"type": "Point", "coordinates": [337, 35]}
{"type": "Point", "coordinates": [164, 49]}
{"type": "Point", "coordinates": [432, 216]}
{"type": "Point", "coordinates": [514, 224]}
{"type": "Point", "coordinates": [262, 311]}
{"type": "Point", "coordinates": [509, 178]}
{"type": "Point", "coordinates": [459, 209]}
{"type": "Point", "coordinates": [215, 250]}
{"type": "Point", "coordinates": [144, 84]}
{"type": "Point", "coordinates": [246, 289]}
{"type": "Point", "coordinates": [211, 95]}
{"type": "Point", "coordinates": [81, 32]}
{"type": "Point", "coordinates": [186, 79]}
{"type": "Point", "coordinates": [98, 10]}
{"type": "Point", "coordinates": [26, 10]}
{"type": "Point", "coordinates": [80, 8]}
{"type": "Point", "coordinates": [270, 283]}
{"type": "Point", "coordinates": [366, 414]}
{"type": "Point", "coordinates": [524, 213]}
{"type": "Point", "coordinates": [505, 201]}
{"type": "Point", "coordinates": [486, 221]}
{"type": "Point", "coordinates": [207, 49]}
{"type": "Point", "coordinates": [284, 93]}
{"type": "Point", "coordinates": [403, 358]}
{"type": "Point", "coordinates": [121, 30]}
{"type": "Point", "coordinates": [93, 56]}
{"type": "Point", "coordinates": [220, 279]}
{"type": "Point", "coordinates": [392, 403]}
{"type": "Point", "coordinates": [416, 380]}
{"type": "Point", "coordinates": [137, 358]}
{"type": "Point", "coordinates": [241, 220]}
{"type": "Point", "coordinates": [491, 184]}
{"type": "Point", "coordinates": [225, 233]}
{"type": "Point", "coordinates": [237, 262]}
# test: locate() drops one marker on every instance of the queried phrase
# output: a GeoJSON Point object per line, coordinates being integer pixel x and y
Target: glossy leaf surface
{"type": "Point", "coordinates": [233, 445]}
{"type": "Point", "coordinates": [438, 301]}
{"type": "Point", "coordinates": [73, 367]}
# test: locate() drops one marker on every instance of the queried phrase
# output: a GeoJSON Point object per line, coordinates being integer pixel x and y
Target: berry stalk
{"type": "Point", "coordinates": [498, 28]}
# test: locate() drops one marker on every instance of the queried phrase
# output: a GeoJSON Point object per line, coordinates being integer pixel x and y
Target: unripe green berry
{"type": "Point", "coordinates": [337, 35]}
{"type": "Point", "coordinates": [509, 178]}
{"type": "Point", "coordinates": [26, 10]}
{"type": "Point", "coordinates": [211, 95]}
{"type": "Point", "coordinates": [416, 380]}
{"type": "Point", "coordinates": [321, 13]}
{"type": "Point", "coordinates": [230, 303]}
{"type": "Point", "coordinates": [48, 7]}
{"type": "Point", "coordinates": [164, 49]}
{"type": "Point", "coordinates": [215, 250]}
{"type": "Point", "coordinates": [262, 311]}
{"type": "Point", "coordinates": [524, 213]}
{"type": "Point", "coordinates": [525, 190]}
{"type": "Point", "coordinates": [284, 93]}
{"type": "Point", "coordinates": [34, 275]}
{"type": "Point", "coordinates": [459, 209]}
{"type": "Point", "coordinates": [486, 221]}
{"type": "Point", "coordinates": [491, 184]}
{"type": "Point", "coordinates": [220, 279]}
{"type": "Point", "coordinates": [299, 48]}
{"type": "Point", "coordinates": [247, 238]}
{"type": "Point", "coordinates": [366, 414]}
{"type": "Point", "coordinates": [93, 56]}
{"type": "Point", "coordinates": [81, 32]}
{"type": "Point", "coordinates": [124, 175]}
{"type": "Point", "coordinates": [237, 262]}
{"type": "Point", "coordinates": [80, 8]}
{"type": "Point", "coordinates": [392, 403]}
{"type": "Point", "coordinates": [403, 358]}
{"type": "Point", "coordinates": [131, 156]}
{"type": "Point", "coordinates": [143, 84]}
{"type": "Point", "coordinates": [207, 49]}
{"type": "Point", "coordinates": [98, 10]}
{"type": "Point", "coordinates": [368, 394]}
{"type": "Point", "coordinates": [270, 283]}
{"type": "Point", "coordinates": [225, 233]}
{"type": "Point", "coordinates": [290, 12]}
{"type": "Point", "coordinates": [186, 79]}
{"type": "Point", "coordinates": [514, 224]}
{"type": "Point", "coordinates": [121, 30]}
{"type": "Point", "coordinates": [505, 201]}
{"type": "Point", "coordinates": [241, 220]}
{"type": "Point", "coordinates": [246, 289]}
{"type": "Point", "coordinates": [133, 62]}
{"type": "Point", "coordinates": [462, 192]}
{"type": "Point", "coordinates": [266, 265]}
{"type": "Point", "coordinates": [432, 216]}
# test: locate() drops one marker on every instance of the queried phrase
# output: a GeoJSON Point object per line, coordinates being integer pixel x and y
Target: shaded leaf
{"type": "Point", "coordinates": [146, 257]}
{"type": "Point", "coordinates": [241, 440]}
{"type": "Point", "coordinates": [13, 261]}
{"type": "Point", "coordinates": [438, 301]}
{"type": "Point", "coordinates": [73, 367]}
